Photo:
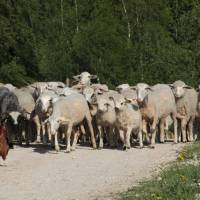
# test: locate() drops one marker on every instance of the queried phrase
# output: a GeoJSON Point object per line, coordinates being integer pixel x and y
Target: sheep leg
{"type": "Point", "coordinates": [19, 134]}
{"type": "Point", "coordinates": [140, 138]}
{"type": "Point", "coordinates": [75, 139]}
{"type": "Point", "coordinates": [100, 129]}
{"type": "Point", "coordinates": [111, 139]}
{"type": "Point", "coordinates": [67, 137]}
{"type": "Point", "coordinates": [153, 138]}
{"type": "Point", "coordinates": [57, 148]}
{"type": "Point", "coordinates": [89, 122]}
{"type": "Point", "coordinates": [190, 130]}
{"type": "Point", "coordinates": [153, 130]}
{"type": "Point", "coordinates": [52, 140]}
{"type": "Point", "coordinates": [153, 126]}
{"type": "Point", "coordinates": [162, 135]}
{"type": "Point", "coordinates": [48, 132]}
{"type": "Point", "coordinates": [38, 127]}
{"type": "Point", "coordinates": [121, 135]}
{"type": "Point", "coordinates": [116, 131]}
{"type": "Point", "coordinates": [124, 135]}
{"type": "Point", "coordinates": [83, 133]}
{"type": "Point", "coordinates": [127, 135]}
{"type": "Point", "coordinates": [27, 132]}
{"type": "Point", "coordinates": [183, 129]}
{"type": "Point", "coordinates": [44, 139]}
{"type": "Point", "coordinates": [144, 130]}
{"type": "Point", "coordinates": [175, 128]}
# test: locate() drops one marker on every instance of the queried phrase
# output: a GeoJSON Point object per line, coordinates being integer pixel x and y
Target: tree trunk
{"type": "Point", "coordinates": [61, 14]}
{"type": "Point", "coordinates": [76, 7]}
{"type": "Point", "coordinates": [128, 23]}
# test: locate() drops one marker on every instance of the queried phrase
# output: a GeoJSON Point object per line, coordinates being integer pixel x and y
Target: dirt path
{"type": "Point", "coordinates": [35, 173]}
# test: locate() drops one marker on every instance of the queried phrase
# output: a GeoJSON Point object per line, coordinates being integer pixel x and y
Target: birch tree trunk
{"type": "Point", "coordinates": [128, 23]}
{"type": "Point", "coordinates": [61, 15]}
{"type": "Point", "coordinates": [76, 7]}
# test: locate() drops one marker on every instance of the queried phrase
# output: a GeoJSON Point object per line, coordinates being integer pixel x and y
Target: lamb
{"type": "Point", "coordinates": [105, 117]}
{"type": "Point", "coordinates": [128, 119]}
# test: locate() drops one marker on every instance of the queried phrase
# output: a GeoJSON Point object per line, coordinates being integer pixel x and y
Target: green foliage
{"type": "Point", "coordinates": [190, 152]}
{"type": "Point", "coordinates": [178, 181]}
{"type": "Point", "coordinates": [53, 40]}
{"type": "Point", "coordinates": [14, 73]}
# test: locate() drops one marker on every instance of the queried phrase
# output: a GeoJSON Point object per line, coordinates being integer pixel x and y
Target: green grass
{"type": "Point", "coordinates": [179, 181]}
{"type": "Point", "coordinates": [190, 152]}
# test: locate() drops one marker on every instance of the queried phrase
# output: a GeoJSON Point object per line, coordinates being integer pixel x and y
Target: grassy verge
{"type": "Point", "coordinates": [179, 181]}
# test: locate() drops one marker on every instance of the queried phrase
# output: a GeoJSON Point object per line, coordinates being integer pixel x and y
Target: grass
{"type": "Point", "coordinates": [179, 181]}
{"type": "Point", "coordinates": [190, 152]}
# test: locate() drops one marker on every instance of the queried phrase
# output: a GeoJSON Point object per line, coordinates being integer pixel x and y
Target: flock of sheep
{"type": "Point", "coordinates": [54, 112]}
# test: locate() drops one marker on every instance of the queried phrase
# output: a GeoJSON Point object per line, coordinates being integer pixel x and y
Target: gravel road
{"type": "Point", "coordinates": [38, 173]}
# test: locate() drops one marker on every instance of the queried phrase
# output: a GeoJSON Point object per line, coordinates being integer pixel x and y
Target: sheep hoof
{"type": "Point", "coordinates": [124, 148]}
{"type": "Point", "coordinates": [67, 151]}
{"type": "Point", "coordinates": [73, 149]}
{"type": "Point", "coordinates": [100, 148]}
{"type": "Point", "coordinates": [57, 148]}
{"type": "Point", "coordinates": [11, 146]}
{"type": "Point", "coordinates": [152, 147]}
{"type": "Point", "coordinates": [44, 141]}
{"type": "Point", "coordinates": [38, 141]}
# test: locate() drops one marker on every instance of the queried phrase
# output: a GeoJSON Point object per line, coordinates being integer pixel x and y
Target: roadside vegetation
{"type": "Point", "coordinates": [179, 181]}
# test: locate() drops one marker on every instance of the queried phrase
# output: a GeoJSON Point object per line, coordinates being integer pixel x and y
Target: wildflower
{"type": "Point", "coordinates": [181, 157]}
{"type": "Point", "coordinates": [183, 178]}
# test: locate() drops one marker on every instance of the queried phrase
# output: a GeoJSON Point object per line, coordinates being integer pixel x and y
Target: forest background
{"type": "Point", "coordinates": [122, 41]}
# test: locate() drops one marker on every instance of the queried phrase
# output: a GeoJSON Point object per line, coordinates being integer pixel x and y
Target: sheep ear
{"type": "Point", "coordinates": [187, 87]}
{"type": "Point", "coordinates": [111, 98]}
{"type": "Point", "coordinates": [149, 88]}
{"type": "Point", "coordinates": [128, 100]}
{"type": "Point", "coordinates": [24, 113]}
{"type": "Point", "coordinates": [77, 77]}
{"type": "Point", "coordinates": [118, 89]}
{"type": "Point", "coordinates": [33, 86]}
{"type": "Point", "coordinates": [79, 87]}
{"type": "Point", "coordinates": [93, 77]}
{"type": "Point", "coordinates": [133, 87]}
{"type": "Point", "coordinates": [171, 86]}
{"type": "Point", "coordinates": [51, 100]}
{"type": "Point", "coordinates": [4, 116]}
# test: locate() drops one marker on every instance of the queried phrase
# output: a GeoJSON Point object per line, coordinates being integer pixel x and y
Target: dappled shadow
{"type": "Point", "coordinates": [41, 148]}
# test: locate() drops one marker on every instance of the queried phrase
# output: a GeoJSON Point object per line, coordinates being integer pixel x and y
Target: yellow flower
{"type": "Point", "coordinates": [181, 157]}
{"type": "Point", "coordinates": [183, 178]}
{"type": "Point", "coordinates": [159, 198]}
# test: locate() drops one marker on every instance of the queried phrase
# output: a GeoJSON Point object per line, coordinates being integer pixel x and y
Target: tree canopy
{"type": "Point", "coordinates": [119, 40]}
